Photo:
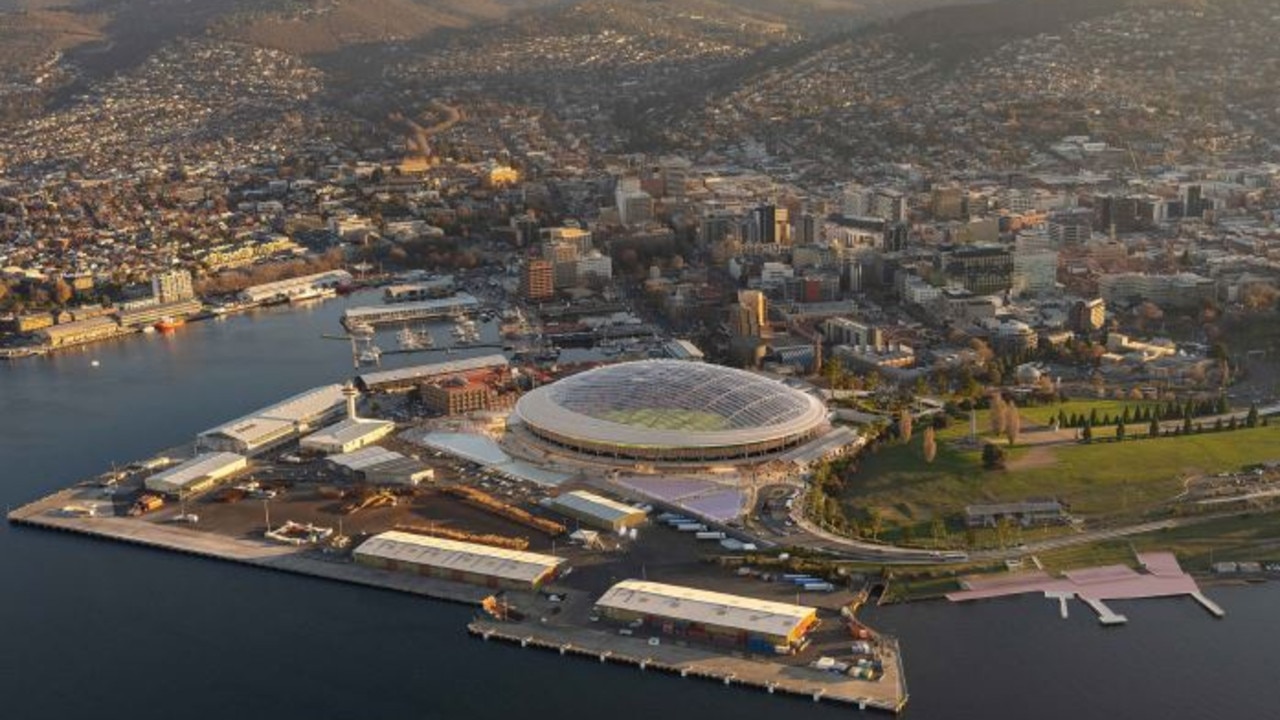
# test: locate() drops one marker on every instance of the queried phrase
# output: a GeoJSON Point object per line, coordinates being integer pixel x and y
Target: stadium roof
{"type": "Point", "coordinates": [671, 403]}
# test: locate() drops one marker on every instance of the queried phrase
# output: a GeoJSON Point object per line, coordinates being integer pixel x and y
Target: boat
{"type": "Point", "coordinates": [313, 294]}
{"type": "Point", "coordinates": [415, 339]}
{"type": "Point", "coordinates": [169, 323]}
{"type": "Point", "coordinates": [372, 356]}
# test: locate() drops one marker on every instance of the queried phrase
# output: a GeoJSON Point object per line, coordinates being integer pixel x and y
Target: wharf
{"type": "Point", "coordinates": [888, 694]}
{"type": "Point", "coordinates": [46, 514]}
{"type": "Point", "coordinates": [775, 675]}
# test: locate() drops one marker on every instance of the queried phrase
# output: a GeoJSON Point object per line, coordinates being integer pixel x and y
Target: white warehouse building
{"type": "Point", "coordinates": [347, 436]}
{"type": "Point", "coordinates": [272, 426]}
{"type": "Point", "coordinates": [197, 474]}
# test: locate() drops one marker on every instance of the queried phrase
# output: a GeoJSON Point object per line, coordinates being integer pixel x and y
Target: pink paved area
{"type": "Point", "coordinates": [1112, 582]}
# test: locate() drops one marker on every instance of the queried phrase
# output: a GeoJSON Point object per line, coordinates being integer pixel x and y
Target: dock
{"type": "Point", "coordinates": [408, 312]}
{"type": "Point", "coordinates": [674, 656]}
{"type": "Point", "coordinates": [45, 514]}
{"type": "Point", "coordinates": [1161, 576]}
{"type": "Point", "coordinates": [889, 694]}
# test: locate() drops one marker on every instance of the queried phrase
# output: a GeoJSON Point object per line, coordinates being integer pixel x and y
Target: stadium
{"type": "Point", "coordinates": [671, 411]}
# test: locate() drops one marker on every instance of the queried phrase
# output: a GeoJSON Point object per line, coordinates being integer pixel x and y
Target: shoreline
{"type": "Point", "coordinates": [670, 656]}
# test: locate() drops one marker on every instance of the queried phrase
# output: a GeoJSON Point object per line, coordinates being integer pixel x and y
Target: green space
{"type": "Point", "coordinates": [668, 419]}
{"type": "Point", "coordinates": [1247, 537]}
{"type": "Point", "coordinates": [1035, 417]}
{"type": "Point", "coordinates": [1101, 479]}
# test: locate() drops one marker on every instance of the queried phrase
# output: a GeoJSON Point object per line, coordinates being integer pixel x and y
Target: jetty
{"type": "Point", "coordinates": [1161, 576]}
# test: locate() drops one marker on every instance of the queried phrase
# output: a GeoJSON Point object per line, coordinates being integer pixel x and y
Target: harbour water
{"type": "Point", "coordinates": [96, 629]}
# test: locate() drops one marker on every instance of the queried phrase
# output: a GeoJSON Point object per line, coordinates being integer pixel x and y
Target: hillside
{"type": "Point", "coordinates": [323, 26]}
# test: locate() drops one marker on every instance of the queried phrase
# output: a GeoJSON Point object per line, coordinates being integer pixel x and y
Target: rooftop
{"type": "Point", "coordinates": [460, 556]}
{"type": "Point", "coordinates": [703, 606]}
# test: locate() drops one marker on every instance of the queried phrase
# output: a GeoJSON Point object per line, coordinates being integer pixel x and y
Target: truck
{"type": "Point", "coordinates": [146, 503]}
{"type": "Point", "coordinates": [710, 535]}
{"type": "Point", "coordinates": [818, 587]}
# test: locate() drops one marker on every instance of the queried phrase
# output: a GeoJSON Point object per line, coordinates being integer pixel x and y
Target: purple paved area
{"type": "Point", "coordinates": [720, 506]}
{"type": "Point", "coordinates": [668, 489]}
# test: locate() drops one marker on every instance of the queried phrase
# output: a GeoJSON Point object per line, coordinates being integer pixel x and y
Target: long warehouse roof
{"type": "Point", "coordinates": [460, 556]}
{"type": "Point", "coordinates": [594, 505]}
{"type": "Point", "coordinates": [460, 300]}
{"type": "Point", "coordinates": [197, 468]}
{"type": "Point", "coordinates": [349, 430]}
{"type": "Point", "coordinates": [431, 370]}
{"type": "Point", "coordinates": [300, 407]}
{"type": "Point", "coordinates": [705, 607]}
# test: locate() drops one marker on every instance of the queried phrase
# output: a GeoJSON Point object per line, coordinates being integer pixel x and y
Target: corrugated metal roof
{"type": "Point", "coordinates": [424, 372]}
{"type": "Point", "coordinates": [348, 430]}
{"type": "Point", "coordinates": [464, 557]}
{"type": "Point", "coordinates": [299, 408]}
{"type": "Point", "coordinates": [197, 468]}
{"type": "Point", "coordinates": [702, 606]}
{"type": "Point", "coordinates": [593, 505]}
{"type": "Point", "coordinates": [365, 458]}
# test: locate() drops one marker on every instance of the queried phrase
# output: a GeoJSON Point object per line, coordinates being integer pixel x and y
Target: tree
{"type": "Point", "coordinates": [904, 425]}
{"type": "Point", "coordinates": [62, 292]}
{"type": "Point", "coordinates": [875, 522]}
{"type": "Point", "coordinates": [1120, 430]}
{"type": "Point", "coordinates": [930, 445]}
{"type": "Point", "coordinates": [1186, 424]}
{"type": "Point", "coordinates": [1087, 433]}
{"type": "Point", "coordinates": [1012, 422]}
{"type": "Point", "coordinates": [992, 457]}
{"type": "Point", "coordinates": [1154, 429]}
{"type": "Point", "coordinates": [834, 371]}
{"type": "Point", "coordinates": [1251, 420]}
{"type": "Point", "coordinates": [939, 529]}
{"type": "Point", "coordinates": [998, 416]}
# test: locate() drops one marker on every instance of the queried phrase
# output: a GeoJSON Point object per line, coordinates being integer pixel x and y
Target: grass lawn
{"type": "Point", "coordinates": [1042, 415]}
{"type": "Point", "coordinates": [669, 419]}
{"type": "Point", "coordinates": [1252, 537]}
{"type": "Point", "coordinates": [1100, 479]}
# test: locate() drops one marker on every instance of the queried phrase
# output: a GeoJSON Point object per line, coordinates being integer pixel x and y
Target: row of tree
{"type": "Point", "coordinates": [1147, 413]}
{"type": "Point", "coordinates": [1251, 420]}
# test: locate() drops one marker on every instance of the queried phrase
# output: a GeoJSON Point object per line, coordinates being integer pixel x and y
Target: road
{"type": "Point", "coordinates": [861, 550]}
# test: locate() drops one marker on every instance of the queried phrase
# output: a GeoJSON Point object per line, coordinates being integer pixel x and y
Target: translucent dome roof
{"type": "Point", "coordinates": [671, 402]}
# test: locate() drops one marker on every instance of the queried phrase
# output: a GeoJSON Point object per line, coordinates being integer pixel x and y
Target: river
{"type": "Point", "coordinates": [97, 629]}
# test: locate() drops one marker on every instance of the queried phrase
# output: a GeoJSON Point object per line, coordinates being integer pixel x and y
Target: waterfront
{"type": "Point", "coordinates": [106, 627]}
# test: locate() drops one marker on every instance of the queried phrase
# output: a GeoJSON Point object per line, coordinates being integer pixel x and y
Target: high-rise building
{"type": "Point", "coordinates": [538, 281]}
{"type": "Point", "coordinates": [635, 206]}
{"type": "Point", "coordinates": [750, 317]}
{"type": "Point", "coordinates": [172, 286]}
{"type": "Point", "coordinates": [947, 203]}
{"type": "Point", "coordinates": [804, 229]}
{"type": "Point", "coordinates": [576, 236]}
{"type": "Point", "coordinates": [1087, 316]}
{"type": "Point", "coordinates": [982, 269]}
{"type": "Point", "coordinates": [564, 261]}
{"type": "Point", "coordinates": [1035, 263]}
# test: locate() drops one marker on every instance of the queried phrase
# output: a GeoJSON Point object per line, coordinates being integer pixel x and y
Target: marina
{"type": "Point", "coordinates": [410, 311]}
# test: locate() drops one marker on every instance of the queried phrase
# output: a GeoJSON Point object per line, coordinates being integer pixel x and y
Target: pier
{"type": "Point", "coordinates": [45, 513]}
{"type": "Point", "coordinates": [409, 312]}
{"type": "Point", "coordinates": [1162, 577]}
{"type": "Point", "coordinates": [663, 654]}
{"type": "Point", "coordinates": [887, 694]}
